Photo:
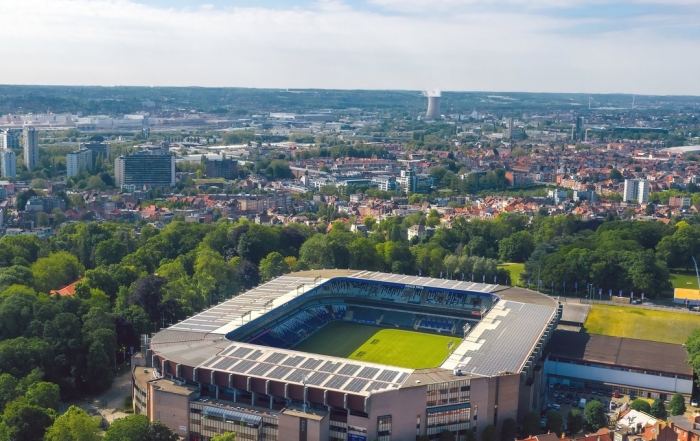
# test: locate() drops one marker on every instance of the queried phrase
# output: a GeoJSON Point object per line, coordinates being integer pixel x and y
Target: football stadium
{"type": "Point", "coordinates": [358, 356]}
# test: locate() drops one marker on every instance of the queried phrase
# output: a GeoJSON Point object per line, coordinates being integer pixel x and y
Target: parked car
{"type": "Point", "coordinates": [694, 402]}
{"type": "Point", "coordinates": [616, 393]}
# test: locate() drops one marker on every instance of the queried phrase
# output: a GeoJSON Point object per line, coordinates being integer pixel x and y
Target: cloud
{"type": "Point", "coordinates": [333, 44]}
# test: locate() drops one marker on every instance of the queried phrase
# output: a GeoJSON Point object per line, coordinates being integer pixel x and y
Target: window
{"type": "Point", "coordinates": [384, 428]}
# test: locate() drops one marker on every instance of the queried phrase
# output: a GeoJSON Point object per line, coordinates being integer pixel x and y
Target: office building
{"type": "Point", "coordinates": [78, 161]}
{"type": "Point", "coordinates": [222, 168]}
{"type": "Point", "coordinates": [8, 163]}
{"type": "Point", "coordinates": [636, 190]}
{"type": "Point", "coordinates": [148, 168]}
{"type": "Point", "coordinates": [98, 149]}
{"type": "Point", "coordinates": [408, 180]}
{"type": "Point", "coordinates": [31, 147]}
{"type": "Point", "coordinates": [9, 138]}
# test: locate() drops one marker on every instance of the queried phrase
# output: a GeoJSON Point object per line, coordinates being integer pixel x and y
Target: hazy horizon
{"type": "Point", "coordinates": [643, 47]}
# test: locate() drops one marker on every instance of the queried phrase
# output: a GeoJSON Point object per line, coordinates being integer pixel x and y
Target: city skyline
{"type": "Point", "coordinates": [632, 46]}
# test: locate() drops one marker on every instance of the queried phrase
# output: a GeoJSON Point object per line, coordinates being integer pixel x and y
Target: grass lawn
{"type": "Point", "coordinates": [396, 347]}
{"type": "Point", "coordinates": [515, 270]}
{"type": "Point", "coordinates": [644, 324]}
{"type": "Point", "coordinates": [684, 280]}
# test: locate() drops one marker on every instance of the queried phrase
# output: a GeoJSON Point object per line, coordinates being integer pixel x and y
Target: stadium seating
{"type": "Point", "coordinates": [412, 295]}
{"type": "Point", "coordinates": [437, 324]}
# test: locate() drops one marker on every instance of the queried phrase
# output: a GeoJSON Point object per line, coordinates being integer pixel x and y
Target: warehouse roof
{"type": "Point", "coordinates": [617, 351]}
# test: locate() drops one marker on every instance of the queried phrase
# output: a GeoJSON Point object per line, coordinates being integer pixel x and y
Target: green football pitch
{"type": "Point", "coordinates": [640, 323]}
{"type": "Point", "coordinates": [396, 347]}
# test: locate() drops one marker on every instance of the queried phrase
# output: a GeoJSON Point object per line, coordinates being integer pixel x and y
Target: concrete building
{"type": "Point", "coordinates": [148, 168]}
{"type": "Point", "coordinates": [433, 105]}
{"type": "Point", "coordinates": [222, 168]}
{"type": "Point", "coordinates": [679, 201]}
{"type": "Point", "coordinates": [408, 180]}
{"type": "Point", "coordinates": [637, 190]}
{"type": "Point", "coordinates": [78, 161]}
{"type": "Point", "coordinates": [31, 147]}
{"type": "Point", "coordinates": [98, 149]}
{"type": "Point", "coordinates": [9, 138]}
{"type": "Point", "coordinates": [8, 163]}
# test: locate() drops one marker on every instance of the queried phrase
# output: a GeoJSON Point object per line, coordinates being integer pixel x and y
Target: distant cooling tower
{"type": "Point", "coordinates": [433, 107]}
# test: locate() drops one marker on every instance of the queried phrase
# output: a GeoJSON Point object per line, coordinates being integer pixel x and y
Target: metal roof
{"type": "Point", "coordinates": [503, 340]}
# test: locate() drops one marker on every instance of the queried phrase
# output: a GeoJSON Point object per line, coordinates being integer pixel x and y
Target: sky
{"type": "Point", "coordinates": [584, 46]}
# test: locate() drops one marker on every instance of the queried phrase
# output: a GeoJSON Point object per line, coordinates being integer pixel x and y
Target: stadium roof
{"type": "Point", "coordinates": [616, 351]}
{"type": "Point", "coordinates": [503, 340]}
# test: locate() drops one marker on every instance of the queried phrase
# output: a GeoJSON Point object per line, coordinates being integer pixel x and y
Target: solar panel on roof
{"type": "Point", "coordinates": [318, 378]}
{"type": "Point", "coordinates": [337, 382]}
{"type": "Point", "coordinates": [311, 363]}
{"type": "Point", "coordinates": [376, 385]}
{"type": "Point", "coordinates": [260, 369]}
{"type": "Point", "coordinates": [241, 352]}
{"type": "Point", "coordinates": [243, 366]}
{"type": "Point", "coordinates": [293, 361]}
{"type": "Point", "coordinates": [387, 375]}
{"type": "Point", "coordinates": [229, 350]}
{"type": "Point", "coordinates": [401, 378]}
{"type": "Point", "coordinates": [349, 369]}
{"type": "Point", "coordinates": [368, 372]}
{"type": "Point", "coordinates": [276, 357]}
{"type": "Point", "coordinates": [279, 372]}
{"type": "Point", "coordinates": [297, 376]}
{"type": "Point", "coordinates": [356, 385]}
{"type": "Point", "coordinates": [329, 366]}
{"type": "Point", "coordinates": [255, 355]}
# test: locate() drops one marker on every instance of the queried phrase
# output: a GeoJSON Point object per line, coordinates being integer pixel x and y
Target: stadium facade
{"type": "Point", "coordinates": [233, 367]}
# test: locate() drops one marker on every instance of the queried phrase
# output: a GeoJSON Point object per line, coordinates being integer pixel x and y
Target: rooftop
{"type": "Point", "coordinates": [503, 340]}
{"type": "Point", "coordinates": [618, 351]}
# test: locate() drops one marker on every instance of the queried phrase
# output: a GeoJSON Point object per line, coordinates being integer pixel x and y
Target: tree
{"type": "Point", "coordinates": [509, 429]}
{"type": "Point", "coordinates": [677, 404]}
{"type": "Point", "coordinates": [555, 422]}
{"type": "Point", "coordinates": [231, 436]}
{"type": "Point", "coordinates": [148, 293]}
{"type": "Point", "coordinates": [595, 415]}
{"type": "Point", "coordinates": [42, 220]}
{"type": "Point", "coordinates": [658, 409]}
{"type": "Point", "coordinates": [641, 405]}
{"type": "Point", "coordinates": [272, 266]}
{"type": "Point", "coordinates": [692, 346]}
{"type": "Point", "coordinates": [489, 433]}
{"type": "Point", "coordinates": [615, 175]}
{"type": "Point", "coordinates": [574, 421]}
{"type": "Point", "coordinates": [25, 422]}
{"type": "Point", "coordinates": [43, 394]}
{"type": "Point", "coordinates": [133, 427]}
{"type": "Point", "coordinates": [74, 425]}
{"type": "Point", "coordinates": [158, 431]}
{"type": "Point", "coordinates": [531, 424]}
{"type": "Point", "coordinates": [56, 271]}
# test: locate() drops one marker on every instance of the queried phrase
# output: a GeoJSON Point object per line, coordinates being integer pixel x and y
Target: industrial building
{"type": "Point", "coordinates": [634, 367]}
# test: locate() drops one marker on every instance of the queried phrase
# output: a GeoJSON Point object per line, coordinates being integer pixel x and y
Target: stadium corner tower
{"type": "Point", "coordinates": [234, 367]}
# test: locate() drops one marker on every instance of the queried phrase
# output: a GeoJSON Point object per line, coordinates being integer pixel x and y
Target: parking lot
{"type": "Point", "coordinates": [563, 398]}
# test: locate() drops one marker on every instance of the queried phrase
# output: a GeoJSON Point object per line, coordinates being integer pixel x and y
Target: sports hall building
{"type": "Point", "coordinates": [233, 367]}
